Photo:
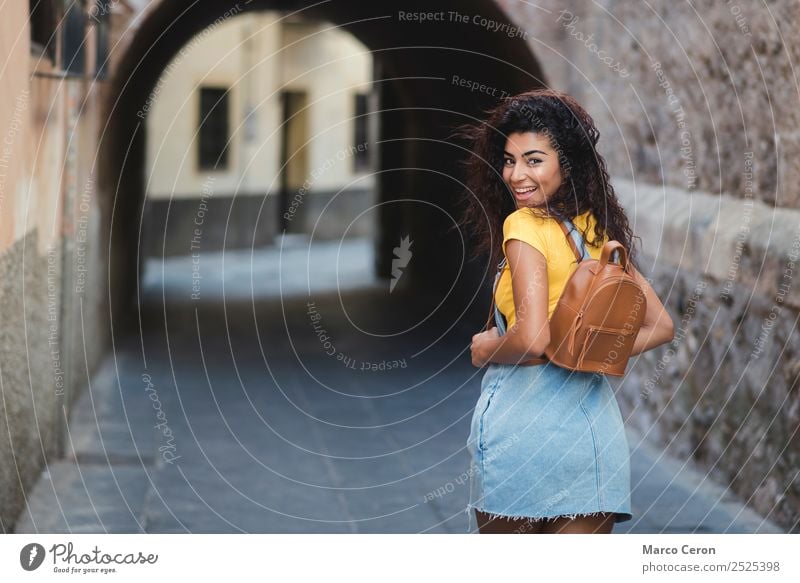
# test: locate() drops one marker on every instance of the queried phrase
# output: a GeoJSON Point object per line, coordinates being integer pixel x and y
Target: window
{"type": "Point", "coordinates": [101, 14]}
{"type": "Point", "coordinates": [360, 158]}
{"type": "Point", "coordinates": [73, 37]}
{"type": "Point", "coordinates": [43, 20]}
{"type": "Point", "coordinates": [213, 128]}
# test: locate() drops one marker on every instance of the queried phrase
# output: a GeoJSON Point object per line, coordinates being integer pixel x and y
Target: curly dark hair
{"type": "Point", "coordinates": [585, 185]}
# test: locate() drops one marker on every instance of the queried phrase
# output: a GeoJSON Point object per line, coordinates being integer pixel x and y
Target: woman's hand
{"type": "Point", "coordinates": [483, 346]}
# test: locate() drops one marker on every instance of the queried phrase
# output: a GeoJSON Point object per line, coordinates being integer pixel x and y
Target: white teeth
{"type": "Point", "coordinates": [524, 190]}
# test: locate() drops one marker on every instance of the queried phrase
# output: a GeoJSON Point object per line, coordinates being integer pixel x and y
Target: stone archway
{"type": "Point", "coordinates": [433, 70]}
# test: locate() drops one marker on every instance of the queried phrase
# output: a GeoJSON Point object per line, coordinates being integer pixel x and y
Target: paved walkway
{"type": "Point", "coordinates": [233, 417]}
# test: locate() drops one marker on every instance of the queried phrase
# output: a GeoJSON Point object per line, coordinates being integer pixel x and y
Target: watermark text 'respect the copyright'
{"type": "Point", "coordinates": [478, 20]}
{"type": "Point", "coordinates": [347, 361]}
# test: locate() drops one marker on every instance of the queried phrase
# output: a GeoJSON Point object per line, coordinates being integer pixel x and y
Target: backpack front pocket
{"type": "Point", "coordinates": [610, 346]}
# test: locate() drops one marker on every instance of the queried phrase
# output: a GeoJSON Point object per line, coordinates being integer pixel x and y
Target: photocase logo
{"type": "Point", "coordinates": [402, 257]}
{"type": "Point", "coordinates": [31, 556]}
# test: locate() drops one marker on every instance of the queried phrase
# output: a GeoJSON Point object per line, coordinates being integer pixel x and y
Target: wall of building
{"type": "Point", "coordinates": [51, 272]}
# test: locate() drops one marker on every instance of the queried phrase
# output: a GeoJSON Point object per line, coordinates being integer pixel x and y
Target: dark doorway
{"type": "Point", "coordinates": [294, 158]}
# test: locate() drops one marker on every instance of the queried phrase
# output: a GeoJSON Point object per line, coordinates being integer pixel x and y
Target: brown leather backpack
{"type": "Point", "coordinates": [600, 311]}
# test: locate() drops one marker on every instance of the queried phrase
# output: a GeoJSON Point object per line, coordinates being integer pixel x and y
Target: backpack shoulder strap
{"type": "Point", "coordinates": [574, 239]}
{"type": "Point", "coordinates": [490, 318]}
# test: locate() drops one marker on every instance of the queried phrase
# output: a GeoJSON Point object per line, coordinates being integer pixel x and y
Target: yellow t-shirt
{"type": "Point", "coordinates": [546, 236]}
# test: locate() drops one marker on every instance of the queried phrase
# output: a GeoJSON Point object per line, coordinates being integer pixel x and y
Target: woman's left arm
{"type": "Point", "coordinates": [657, 327]}
{"type": "Point", "coordinates": [530, 334]}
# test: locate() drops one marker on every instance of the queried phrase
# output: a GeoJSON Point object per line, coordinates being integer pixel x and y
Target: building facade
{"type": "Point", "coordinates": [260, 123]}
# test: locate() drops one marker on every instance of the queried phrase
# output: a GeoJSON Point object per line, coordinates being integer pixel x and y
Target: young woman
{"type": "Point", "coordinates": [548, 451]}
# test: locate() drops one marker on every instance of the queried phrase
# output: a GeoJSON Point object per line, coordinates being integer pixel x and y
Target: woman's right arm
{"type": "Point", "coordinates": [657, 327]}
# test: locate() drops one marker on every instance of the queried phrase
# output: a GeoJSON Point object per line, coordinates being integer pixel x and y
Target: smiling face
{"type": "Point", "coordinates": [531, 168]}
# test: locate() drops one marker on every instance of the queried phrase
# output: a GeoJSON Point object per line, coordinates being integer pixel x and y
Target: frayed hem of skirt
{"type": "Point", "coordinates": [618, 516]}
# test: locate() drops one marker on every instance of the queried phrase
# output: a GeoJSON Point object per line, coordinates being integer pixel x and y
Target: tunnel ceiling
{"type": "Point", "coordinates": [499, 60]}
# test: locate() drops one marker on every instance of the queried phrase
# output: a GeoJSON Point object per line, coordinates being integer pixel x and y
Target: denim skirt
{"type": "Point", "coordinates": [547, 442]}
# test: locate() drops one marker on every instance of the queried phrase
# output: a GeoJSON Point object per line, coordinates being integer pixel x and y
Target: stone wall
{"type": "Point", "coordinates": [724, 391]}
{"type": "Point", "coordinates": [52, 337]}
{"type": "Point", "coordinates": [713, 77]}
{"type": "Point", "coordinates": [30, 408]}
